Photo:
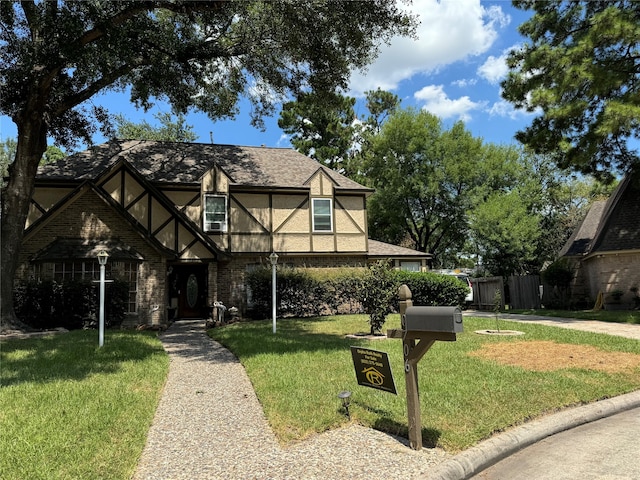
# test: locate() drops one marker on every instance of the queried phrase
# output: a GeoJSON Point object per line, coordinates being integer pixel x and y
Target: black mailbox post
{"type": "Point", "coordinates": [421, 327]}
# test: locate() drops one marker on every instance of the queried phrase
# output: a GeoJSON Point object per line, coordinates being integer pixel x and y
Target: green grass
{"type": "Point", "coordinates": [614, 316]}
{"type": "Point", "coordinates": [71, 410]}
{"type": "Point", "coordinates": [298, 373]}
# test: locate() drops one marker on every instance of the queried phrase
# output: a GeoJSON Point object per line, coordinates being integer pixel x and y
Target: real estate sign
{"type": "Point", "coordinates": [373, 369]}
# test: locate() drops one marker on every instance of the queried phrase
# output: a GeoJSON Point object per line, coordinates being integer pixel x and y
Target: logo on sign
{"type": "Point", "coordinates": [373, 369]}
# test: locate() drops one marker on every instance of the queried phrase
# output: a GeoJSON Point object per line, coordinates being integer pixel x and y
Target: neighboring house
{"type": "Point", "coordinates": [184, 223]}
{"type": "Point", "coordinates": [605, 248]}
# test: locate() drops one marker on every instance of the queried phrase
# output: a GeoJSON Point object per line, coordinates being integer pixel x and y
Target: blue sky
{"type": "Point", "coordinates": [453, 70]}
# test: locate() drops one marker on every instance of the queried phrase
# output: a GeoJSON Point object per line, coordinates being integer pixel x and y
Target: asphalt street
{"type": "Point", "coordinates": [604, 449]}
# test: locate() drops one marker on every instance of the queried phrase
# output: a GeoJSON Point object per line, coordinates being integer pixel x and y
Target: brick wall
{"type": "Point", "coordinates": [606, 273]}
{"type": "Point", "coordinates": [89, 217]}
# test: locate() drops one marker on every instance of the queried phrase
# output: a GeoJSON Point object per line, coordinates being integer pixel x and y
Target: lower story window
{"type": "Point", "coordinates": [410, 266]}
{"type": "Point", "coordinates": [130, 274]}
{"type": "Point", "coordinates": [78, 270]}
{"type": "Point", "coordinates": [90, 270]}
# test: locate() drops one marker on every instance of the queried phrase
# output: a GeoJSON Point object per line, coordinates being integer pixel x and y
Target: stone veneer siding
{"type": "Point", "coordinates": [89, 217]}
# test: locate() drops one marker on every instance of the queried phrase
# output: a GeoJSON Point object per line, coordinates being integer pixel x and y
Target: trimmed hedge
{"type": "Point", "coordinates": [433, 289]}
{"type": "Point", "coordinates": [71, 305]}
{"type": "Point", "coordinates": [306, 292]}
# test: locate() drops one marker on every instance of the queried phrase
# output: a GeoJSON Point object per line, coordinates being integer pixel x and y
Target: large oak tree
{"type": "Point", "coordinates": [56, 55]}
{"type": "Point", "coordinates": [581, 70]}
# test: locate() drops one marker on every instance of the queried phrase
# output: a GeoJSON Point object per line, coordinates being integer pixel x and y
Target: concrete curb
{"type": "Point", "coordinates": [487, 453]}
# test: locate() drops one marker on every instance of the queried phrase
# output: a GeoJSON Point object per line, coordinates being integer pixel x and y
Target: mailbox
{"type": "Point", "coordinates": [433, 319]}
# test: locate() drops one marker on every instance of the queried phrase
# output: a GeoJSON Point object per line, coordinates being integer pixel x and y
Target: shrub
{"type": "Point", "coordinates": [378, 294]}
{"type": "Point", "coordinates": [558, 276]}
{"type": "Point", "coordinates": [298, 293]}
{"type": "Point", "coordinates": [303, 292]}
{"type": "Point", "coordinates": [71, 305]}
{"type": "Point", "coordinates": [433, 289]}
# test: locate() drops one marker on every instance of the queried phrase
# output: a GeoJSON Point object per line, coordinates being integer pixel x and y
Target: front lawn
{"type": "Point", "coordinates": [71, 410]}
{"type": "Point", "coordinates": [467, 390]}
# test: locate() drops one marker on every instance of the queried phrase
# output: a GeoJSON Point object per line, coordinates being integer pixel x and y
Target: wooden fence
{"type": "Point", "coordinates": [484, 292]}
{"type": "Point", "coordinates": [522, 292]}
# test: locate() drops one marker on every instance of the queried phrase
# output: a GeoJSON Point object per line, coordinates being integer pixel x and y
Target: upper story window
{"type": "Point", "coordinates": [322, 214]}
{"type": "Point", "coordinates": [215, 213]}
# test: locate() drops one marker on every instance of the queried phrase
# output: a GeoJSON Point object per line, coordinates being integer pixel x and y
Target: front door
{"type": "Point", "coordinates": [188, 285]}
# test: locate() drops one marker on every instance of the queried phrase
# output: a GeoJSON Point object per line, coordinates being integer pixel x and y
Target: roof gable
{"type": "Point", "coordinates": [610, 226]}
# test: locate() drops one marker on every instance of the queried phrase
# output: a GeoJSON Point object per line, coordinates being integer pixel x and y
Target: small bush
{"type": "Point", "coordinates": [379, 294]}
{"type": "Point", "coordinates": [71, 305]}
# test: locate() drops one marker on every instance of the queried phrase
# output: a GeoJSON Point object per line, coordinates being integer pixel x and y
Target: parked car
{"type": "Point", "coordinates": [468, 299]}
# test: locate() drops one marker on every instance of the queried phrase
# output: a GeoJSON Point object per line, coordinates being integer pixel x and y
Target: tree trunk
{"type": "Point", "coordinates": [16, 196]}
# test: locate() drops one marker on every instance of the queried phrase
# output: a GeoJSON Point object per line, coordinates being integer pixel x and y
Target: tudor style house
{"type": "Point", "coordinates": [183, 223]}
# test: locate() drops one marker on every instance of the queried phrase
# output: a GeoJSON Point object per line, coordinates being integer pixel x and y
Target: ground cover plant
{"type": "Point", "coordinates": [469, 389]}
{"type": "Point", "coordinates": [69, 409]}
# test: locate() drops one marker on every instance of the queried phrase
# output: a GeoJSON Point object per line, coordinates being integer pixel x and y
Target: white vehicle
{"type": "Point", "coordinates": [464, 278]}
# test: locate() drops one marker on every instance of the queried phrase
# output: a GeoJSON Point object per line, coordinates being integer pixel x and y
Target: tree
{"type": "Point", "coordinates": [581, 70]}
{"type": "Point", "coordinates": [168, 131]}
{"type": "Point", "coordinates": [325, 127]}
{"type": "Point", "coordinates": [506, 232]}
{"type": "Point", "coordinates": [56, 55]}
{"type": "Point", "coordinates": [7, 154]}
{"type": "Point", "coordinates": [321, 126]}
{"type": "Point", "coordinates": [423, 178]}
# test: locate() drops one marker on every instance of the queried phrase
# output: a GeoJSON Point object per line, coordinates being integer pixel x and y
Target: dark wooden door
{"type": "Point", "coordinates": [189, 284]}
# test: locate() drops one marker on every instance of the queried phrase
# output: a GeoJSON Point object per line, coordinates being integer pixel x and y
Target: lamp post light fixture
{"type": "Point", "coordinates": [102, 260]}
{"type": "Point", "coordinates": [273, 258]}
{"type": "Point", "coordinates": [345, 396]}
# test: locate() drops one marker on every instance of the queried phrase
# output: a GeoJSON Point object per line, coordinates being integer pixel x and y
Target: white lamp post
{"type": "Point", "coordinates": [102, 260]}
{"type": "Point", "coordinates": [274, 260]}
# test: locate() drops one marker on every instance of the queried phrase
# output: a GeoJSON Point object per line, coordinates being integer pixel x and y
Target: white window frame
{"type": "Point", "coordinates": [410, 265]}
{"type": "Point", "coordinates": [214, 225]}
{"type": "Point", "coordinates": [314, 215]}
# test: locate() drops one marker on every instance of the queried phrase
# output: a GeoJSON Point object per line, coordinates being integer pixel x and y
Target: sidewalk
{"type": "Point", "coordinates": [210, 425]}
{"type": "Point", "coordinates": [619, 329]}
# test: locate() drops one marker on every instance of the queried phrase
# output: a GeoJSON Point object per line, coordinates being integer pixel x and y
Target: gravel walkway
{"type": "Point", "coordinates": [210, 425]}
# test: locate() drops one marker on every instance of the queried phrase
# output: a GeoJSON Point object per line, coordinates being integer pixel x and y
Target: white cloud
{"type": "Point", "coordinates": [464, 82]}
{"type": "Point", "coordinates": [437, 102]}
{"type": "Point", "coordinates": [494, 69]}
{"type": "Point", "coordinates": [504, 109]}
{"type": "Point", "coordinates": [449, 31]}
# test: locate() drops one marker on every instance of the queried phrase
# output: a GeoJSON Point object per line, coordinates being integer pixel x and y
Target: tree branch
{"type": "Point", "coordinates": [95, 87]}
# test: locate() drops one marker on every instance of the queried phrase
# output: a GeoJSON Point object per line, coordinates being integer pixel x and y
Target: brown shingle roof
{"type": "Point", "coordinates": [169, 162]}
{"type": "Point", "coordinates": [386, 250]}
